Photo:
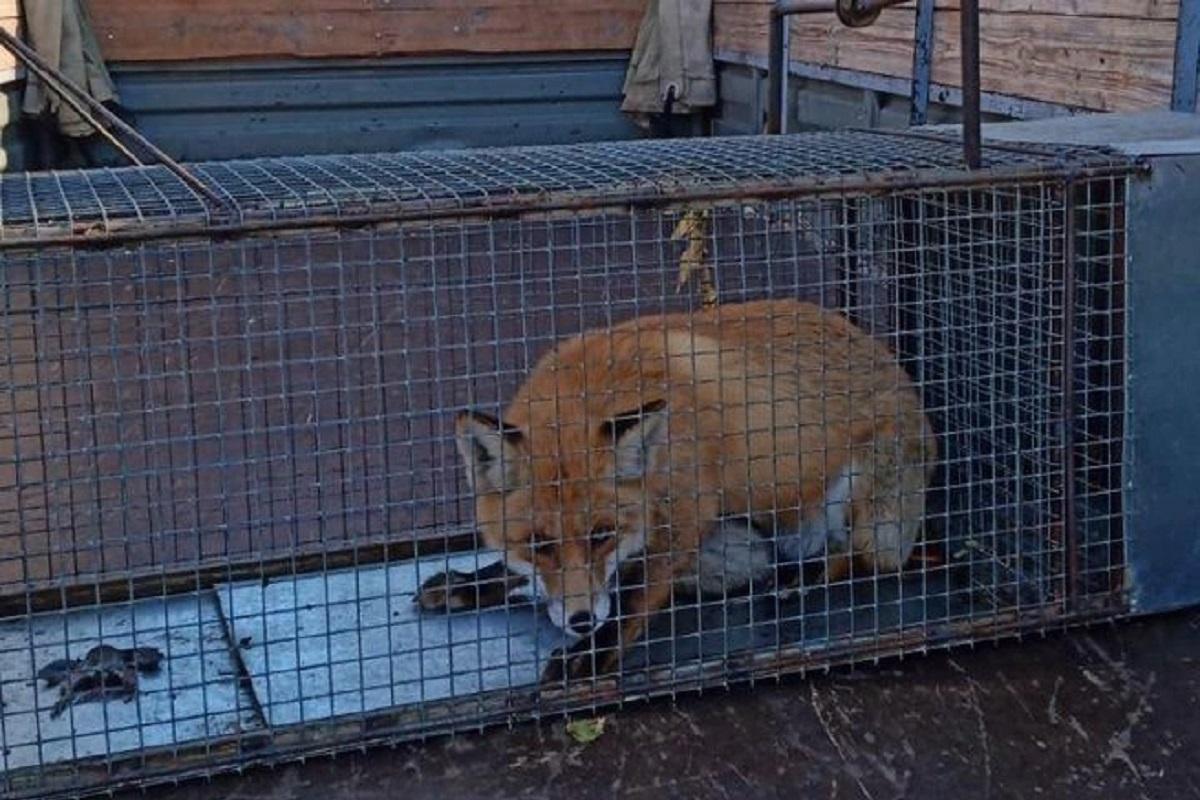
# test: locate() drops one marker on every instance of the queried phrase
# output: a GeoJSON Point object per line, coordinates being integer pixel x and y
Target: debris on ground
{"type": "Point", "coordinates": [586, 731]}
{"type": "Point", "coordinates": [104, 671]}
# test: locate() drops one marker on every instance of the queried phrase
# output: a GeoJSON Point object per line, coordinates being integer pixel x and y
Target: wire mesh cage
{"type": "Point", "coordinates": [392, 445]}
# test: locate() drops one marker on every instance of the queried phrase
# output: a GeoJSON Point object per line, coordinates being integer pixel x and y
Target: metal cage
{"type": "Point", "coordinates": [228, 433]}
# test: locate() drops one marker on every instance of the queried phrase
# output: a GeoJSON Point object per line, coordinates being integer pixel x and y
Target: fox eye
{"type": "Point", "coordinates": [543, 546]}
{"type": "Point", "coordinates": [602, 533]}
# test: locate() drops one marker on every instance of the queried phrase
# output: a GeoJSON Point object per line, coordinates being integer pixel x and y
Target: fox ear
{"type": "Point", "coordinates": [639, 440]}
{"type": "Point", "coordinates": [492, 452]}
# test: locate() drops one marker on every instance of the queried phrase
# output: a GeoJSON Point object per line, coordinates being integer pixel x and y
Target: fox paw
{"type": "Point", "coordinates": [448, 591]}
{"type": "Point", "coordinates": [594, 656]}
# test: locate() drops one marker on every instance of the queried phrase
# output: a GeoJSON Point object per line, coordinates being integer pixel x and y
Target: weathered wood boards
{"type": "Point", "coordinates": [1109, 55]}
{"type": "Point", "coordinates": [10, 20]}
{"type": "Point", "coordinates": [180, 30]}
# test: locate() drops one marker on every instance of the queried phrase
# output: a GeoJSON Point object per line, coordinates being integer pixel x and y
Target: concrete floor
{"type": "Point", "coordinates": [1106, 712]}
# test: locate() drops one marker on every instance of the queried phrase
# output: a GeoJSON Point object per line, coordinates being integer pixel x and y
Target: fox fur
{"type": "Point", "coordinates": [643, 441]}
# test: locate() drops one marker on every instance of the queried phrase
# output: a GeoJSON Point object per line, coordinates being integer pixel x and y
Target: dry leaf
{"type": "Point", "coordinates": [693, 227]}
{"type": "Point", "coordinates": [586, 731]}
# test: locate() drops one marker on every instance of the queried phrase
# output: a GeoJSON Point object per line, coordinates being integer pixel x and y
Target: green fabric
{"type": "Point", "coordinates": [62, 34]}
{"type": "Point", "coordinates": [673, 49]}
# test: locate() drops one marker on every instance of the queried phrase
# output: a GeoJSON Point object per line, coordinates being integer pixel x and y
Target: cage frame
{"type": "Point", "coordinates": [202, 223]}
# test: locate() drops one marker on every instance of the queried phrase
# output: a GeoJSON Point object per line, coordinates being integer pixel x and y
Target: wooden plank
{"type": "Point", "coordinates": [1104, 64]}
{"type": "Point", "coordinates": [172, 30]}
{"type": "Point", "coordinates": [10, 20]}
{"type": "Point", "coordinates": [1125, 9]}
{"type": "Point", "coordinates": [1100, 63]}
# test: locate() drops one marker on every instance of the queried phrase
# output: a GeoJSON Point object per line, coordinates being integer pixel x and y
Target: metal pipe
{"type": "Point", "coordinates": [51, 81]}
{"type": "Point", "coordinates": [74, 95]}
{"type": "Point", "coordinates": [789, 7]}
{"type": "Point", "coordinates": [972, 135]}
{"type": "Point", "coordinates": [776, 82]}
{"type": "Point", "coordinates": [922, 73]}
{"type": "Point", "coordinates": [851, 12]}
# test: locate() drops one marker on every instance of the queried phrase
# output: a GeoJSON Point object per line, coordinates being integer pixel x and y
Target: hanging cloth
{"type": "Point", "coordinates": [62, 34]}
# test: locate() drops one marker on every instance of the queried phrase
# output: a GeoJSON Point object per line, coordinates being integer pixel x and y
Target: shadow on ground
{"type": "Point", "coordinates": [1109, 711]}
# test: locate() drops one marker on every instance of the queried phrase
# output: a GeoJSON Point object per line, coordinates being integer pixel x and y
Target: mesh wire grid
{"type": "Point", "coordinates": [103, 203]}
{"type": "Point", "coordinates": [241, 449]}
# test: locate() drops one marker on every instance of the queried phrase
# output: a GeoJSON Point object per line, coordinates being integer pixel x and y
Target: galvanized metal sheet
{"type": "Point", "coordinates": [1163, 415]}
{"type": "Point", "coordinates": [1185, 88]}
{"type": "Point", "coordinates": [245, 110]}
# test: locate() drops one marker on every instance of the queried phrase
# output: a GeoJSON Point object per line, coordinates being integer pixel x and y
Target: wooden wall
{"type": "Point", "coordinates": [177, 30]}
{"type": "Point", "coordinates": [10, 20]}
{"type": "Point", "coordinates": [1107, 55]}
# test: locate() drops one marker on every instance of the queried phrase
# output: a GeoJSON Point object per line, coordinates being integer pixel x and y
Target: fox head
{"type": "Point", "coordinates": [568, 503]}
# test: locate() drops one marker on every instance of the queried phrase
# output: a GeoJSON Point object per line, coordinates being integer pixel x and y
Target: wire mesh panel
{"type": "Point", "coordinates": [395, 445]}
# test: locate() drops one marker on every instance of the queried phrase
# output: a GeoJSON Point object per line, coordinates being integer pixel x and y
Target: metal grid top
{"type": "Point", "coordinates": [133, 201]}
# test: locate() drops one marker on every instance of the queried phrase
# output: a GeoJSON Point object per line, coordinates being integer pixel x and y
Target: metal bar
{"type": "Point", "coordinates": [972, 135]}
{"type": "Point", "coordinates": [922, 63]}
{"type": "Point", "coordinates": [66, 88]}
{"type": "Point", "coordinates": [776, 77]}
{"type": "Point", "coordinates": [52, 82]}
{"type": "Point", "coordinates": [785, 105]}
{"type": "Point", "coordinates": [936, 178]}
{"type": "Point", "coordinates": [776, 68]}
{"type": "Point", "coordinates": [785, 8]}
{"type": "Point", "coordinates": [1185, 87]}
{"type": "Point", "coordinates": [1070, 528]}
{"type": "Point", "coordinates": [790, 7]}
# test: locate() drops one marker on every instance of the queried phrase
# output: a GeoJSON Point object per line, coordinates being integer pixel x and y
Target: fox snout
{"type": "Point", "coordinates": [580, 614]}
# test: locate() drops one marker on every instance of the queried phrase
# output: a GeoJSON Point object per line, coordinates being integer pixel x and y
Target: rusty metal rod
{"type": "Point", "coordinates": [972, 134]}
{"type": "Point", "coordinates": [776, 62]}
{"type": "Point", "coordinates": [75, 96]}
{"type": "Point", "coordinates": [51, 82]}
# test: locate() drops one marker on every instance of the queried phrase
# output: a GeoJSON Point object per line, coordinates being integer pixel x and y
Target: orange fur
{"type": "Point", "coordinates": [766, 404]}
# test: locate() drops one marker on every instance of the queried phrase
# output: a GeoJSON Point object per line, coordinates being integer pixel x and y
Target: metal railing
{"type": "Point", "coordinates": [860, 14]}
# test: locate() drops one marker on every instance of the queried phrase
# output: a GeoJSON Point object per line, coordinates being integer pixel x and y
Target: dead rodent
{"type": "Point", "coordinates": [105, 670]}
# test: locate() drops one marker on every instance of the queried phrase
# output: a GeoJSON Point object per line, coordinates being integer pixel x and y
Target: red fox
{"type": "Point", "coordinates": [644, 442]}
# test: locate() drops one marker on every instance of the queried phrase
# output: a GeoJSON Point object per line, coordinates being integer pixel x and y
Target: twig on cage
{"type": "Point", "coordinates": [693, 227]}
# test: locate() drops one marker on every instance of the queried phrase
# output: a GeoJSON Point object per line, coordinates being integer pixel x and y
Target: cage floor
{"type": "Point", "coordinates": [325, 645]}
{"type": "Point", "coordinates": [322, 645]}
{"type": "Point", "coordinates": [195, 695]}
{"type": "Point", "coordinates": [710, 629]}
{"type": "Point", "coordinates": [328, 644]}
